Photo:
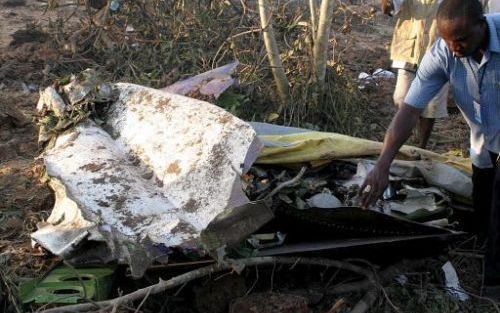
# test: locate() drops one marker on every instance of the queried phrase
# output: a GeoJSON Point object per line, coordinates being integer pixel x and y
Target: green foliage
{"type": "Point", "coordinates": [232, 101]}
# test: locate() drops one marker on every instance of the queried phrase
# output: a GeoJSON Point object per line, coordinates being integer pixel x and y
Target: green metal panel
{"type": "Point", "coordinates": [69, 285]}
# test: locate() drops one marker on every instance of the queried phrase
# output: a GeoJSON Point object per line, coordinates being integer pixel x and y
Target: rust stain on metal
{"type": "Point", "coordinates": [162, 104]}
{"type": "Point", "coordinates": [146, 96]}
{"type": "Point", "coordinates": [224, 118]}
{"type": "Point", "coordinates": [140, 97]}
{"type": "Point", "coordinates": [174, 168]}
{"type": "Point", "coordinates": [92, 167]}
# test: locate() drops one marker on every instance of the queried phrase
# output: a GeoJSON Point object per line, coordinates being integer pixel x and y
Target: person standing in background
{"type": "Point", "coordinates": [414, 34]}
{"type": "Point", "coordinates": [491, 6]}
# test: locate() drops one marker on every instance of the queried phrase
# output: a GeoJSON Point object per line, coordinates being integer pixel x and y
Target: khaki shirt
{"type": "Point", "coordinates": [415, 31]}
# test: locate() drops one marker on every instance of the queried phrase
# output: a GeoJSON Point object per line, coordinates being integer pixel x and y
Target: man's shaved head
{"type": "Point", "coordinates": [469, 10]}
{"type": "Point", "coordinates": [462, 25]}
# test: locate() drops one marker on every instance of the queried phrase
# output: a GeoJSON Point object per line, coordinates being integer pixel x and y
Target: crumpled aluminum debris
{"type": "Point", "coordinates": [160, 168]}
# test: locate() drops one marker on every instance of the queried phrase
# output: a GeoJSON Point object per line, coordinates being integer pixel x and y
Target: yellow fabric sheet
{"type": "Point", "coordinates": [321, 147]}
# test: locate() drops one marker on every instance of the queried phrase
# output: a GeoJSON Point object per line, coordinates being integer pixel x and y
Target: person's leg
{"type": "Point", "coordinates": [482, 182]}
{"type": "Point", "coordinates": [403, 82]}
{"type": "Point", "coordinates": [492, 257]}
{"type": "Point", "coordinates": [425, 126]}
{"type": "Point", "coordinates": [437, 108]}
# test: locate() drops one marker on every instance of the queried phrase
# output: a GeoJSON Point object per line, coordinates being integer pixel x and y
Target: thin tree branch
{"type": "Point", "coordinates": [366, 302]}
{"type": "Point", "coordinates": [285, 184]}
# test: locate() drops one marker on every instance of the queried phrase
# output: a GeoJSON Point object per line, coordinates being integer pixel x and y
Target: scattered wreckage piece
{"type": "Point", "coordinates": [150, 178]}
{"type": "Point", "coordinates": [212, 83]}
{"type": "Point", "coordinates": [324, 231]}
{"type": "Point", "coordinates": [67, 285]}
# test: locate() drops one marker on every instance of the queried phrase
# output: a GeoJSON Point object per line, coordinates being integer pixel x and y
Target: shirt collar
{"type": "Point", "coordinates": [494, 43]}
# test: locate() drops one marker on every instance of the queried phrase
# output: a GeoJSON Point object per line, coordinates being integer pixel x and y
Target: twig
{"type": "Point", "coordinates": [337, 306]}
{"type": "Point", "coordinates": [386, 296]}
{"type": "Point", "coordinates": [144, 300]}
{"type": "Point", "coordinates": [272, 277]}
{"type": "Point", "coordinates": [10, 293]}
{"type": "Point", "coordinates": [332, 278]}
{"type": "Point", "coordinates": [385, 276]}
{"type": "Point", "coordinates": [163, 285]}
{"type": "Point", "coordinates": [366, 302]}
{"type": "Point", "coordinates": [255, 282]}
{"type": "Point", "coordinates": [285, 184]}
{"type": "Point", "coordinates": [180, 289]}
{"type": "Point", "coordinates": [467, 254]}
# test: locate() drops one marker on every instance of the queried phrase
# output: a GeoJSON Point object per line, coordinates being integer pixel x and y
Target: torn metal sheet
{"type": "Point", "coordinates": [418, 201]}
{"type": "Point", "coordinates": [262, 241]}
{"type": "Point", "coordinates": [160, 169]}
{"type": "Point", "coordinates": [236, 224]}
{"type": "Point", "coordinates": [321, 230]}
{"type": "Point", "coordinates": [437, 174]}
{"type": "Point", "coordinates": [211, 83]}
{"type": "Point", "coordinates": [412, 203]}
{"type": "Point", "coordinates": [330, 245]}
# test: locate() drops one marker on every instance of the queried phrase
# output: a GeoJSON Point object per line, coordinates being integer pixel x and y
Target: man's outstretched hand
{"type": "Point", "coordinates": [374, 185]}
{"type": "Point", "coordinates": [400, 129]}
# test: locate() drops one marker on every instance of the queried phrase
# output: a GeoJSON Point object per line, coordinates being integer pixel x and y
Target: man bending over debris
{"type": "Point", "coordinates": [414, 34]}
{"type": "Point", "coordinates": [468, 57]}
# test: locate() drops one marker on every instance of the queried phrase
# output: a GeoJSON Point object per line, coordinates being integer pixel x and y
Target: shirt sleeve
{"type": "Point", "coordinates": [431, 76]}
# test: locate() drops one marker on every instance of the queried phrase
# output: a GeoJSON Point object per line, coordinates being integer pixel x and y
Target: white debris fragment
{"type": "Point", "coordinates": [453, 287]}
{"type": "Point", "coordinates": [324, 201]}
{"type": "Point", "coordinates": [52, 101]}
{"type": "Point", "coordinates": [159, 171]}
{"type": "Point", "coordinates": [401, 279]}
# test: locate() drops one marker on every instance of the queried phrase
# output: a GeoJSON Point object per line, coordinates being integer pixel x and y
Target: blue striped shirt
{"type": "Point", "coordinates": [475, 87]}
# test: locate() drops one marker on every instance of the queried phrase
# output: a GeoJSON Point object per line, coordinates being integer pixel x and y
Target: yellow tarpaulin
{"type": "Point", "coordinates": [321, 147]}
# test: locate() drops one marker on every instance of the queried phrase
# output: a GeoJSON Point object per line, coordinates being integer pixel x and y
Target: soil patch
{"type": "Point", "coordinates": [30, 34]}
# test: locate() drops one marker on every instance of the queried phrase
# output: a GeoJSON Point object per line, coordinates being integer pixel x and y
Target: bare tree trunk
{"type": "Point", "coordinates": [320, 50]}
{"type": "Point", "coordinates": [273, 53]}
{"type": "Point", "coordinates": [313, 11]}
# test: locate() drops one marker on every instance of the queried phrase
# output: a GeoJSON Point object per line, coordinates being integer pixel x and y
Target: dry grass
{"type": "Point", "coordinates": [159, 42]}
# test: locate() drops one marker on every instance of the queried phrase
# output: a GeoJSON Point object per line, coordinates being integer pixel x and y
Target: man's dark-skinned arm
{"type": "Point", "coordinates": [399, 131]}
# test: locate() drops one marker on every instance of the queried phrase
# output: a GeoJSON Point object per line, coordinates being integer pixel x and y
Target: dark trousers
{"type": "Point", "coordinates": [486, 197]}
